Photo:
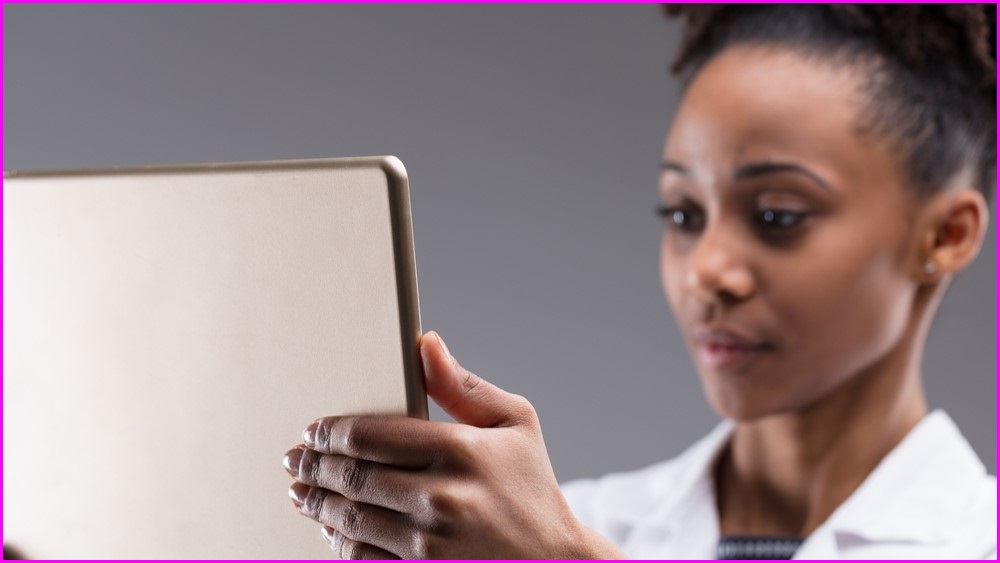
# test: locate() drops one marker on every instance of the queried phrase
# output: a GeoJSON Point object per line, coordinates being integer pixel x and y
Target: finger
{"type": "Point", "coordinates": [357, 521]}
{"type": "Point", "coordinates": [392, 440]}
{"type": "Point", "coordinates": [357, 479]}
{"type": "Point", "coordinates": [468, 398]}
{"type": "Point", "coordinates": [346, 548]}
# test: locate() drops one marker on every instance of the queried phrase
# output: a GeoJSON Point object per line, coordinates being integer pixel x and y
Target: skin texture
{"type": "Point", "coordinates": [824, 263]}
{"type": "Point", "coordinates": [839, 296]}
{"type": "Point", "coordinates": [388, 487]}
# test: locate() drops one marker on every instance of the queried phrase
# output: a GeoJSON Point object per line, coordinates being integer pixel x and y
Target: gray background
{"type": "Point", "coordinates": [531, 135]}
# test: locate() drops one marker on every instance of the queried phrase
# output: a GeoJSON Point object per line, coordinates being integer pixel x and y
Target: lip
{"type": "Point", "coordinates": [725, 348]}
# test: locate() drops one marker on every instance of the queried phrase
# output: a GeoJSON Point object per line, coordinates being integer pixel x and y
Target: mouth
{"type": "Point", "coordinates": [726, 349]}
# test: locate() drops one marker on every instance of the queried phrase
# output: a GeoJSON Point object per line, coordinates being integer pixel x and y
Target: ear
{"type": "Point", "coordinates": [954, 225]}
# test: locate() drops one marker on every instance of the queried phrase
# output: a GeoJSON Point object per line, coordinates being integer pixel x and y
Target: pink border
{"type": "Point", "coordinates": [3, 2]}
{"type": "Point", "coordinates": [997, 304]}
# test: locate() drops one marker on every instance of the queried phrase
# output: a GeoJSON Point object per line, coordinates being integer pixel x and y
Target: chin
{"type": "Point", "coordinates": [743, 407]}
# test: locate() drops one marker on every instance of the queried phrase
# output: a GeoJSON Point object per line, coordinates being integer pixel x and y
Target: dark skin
{"type": "Point", "coordinates": [836, 387]}
{"type": "Point", "coordinates": [839, 384]}
{"type": "Point", "coordinates": [389, 487]}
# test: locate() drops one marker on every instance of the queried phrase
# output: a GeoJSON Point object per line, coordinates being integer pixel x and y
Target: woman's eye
{"type": "Point", "coordinates": [778, 220]}
{"type": "Point", "coordinates": [679, 218]}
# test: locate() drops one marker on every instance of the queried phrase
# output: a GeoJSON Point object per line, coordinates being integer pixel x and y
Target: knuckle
{"type": "Point", "coordinates": [522, 404]}
{"type": "Point", "coordinates": [309, 467]}
{"type": "Point", "coordinates": [470, 381]}
{"type": "Point", "coordinates": [417, 546]}
{"type": "Point", "coordinates": [434, 524]}
{"type": "Point", "coordinates": [353, 477]}
{"type": "Point", "coordinates": [314, 500]}
{"type": "Point", "coordinates": [337, 542]}
{"type": "Point", "coordinates": [351, 520]}
{"type": "Point", "coordinates": [524, 409]}
{"type": "Point", "coordinates": [425, 546]}
{"type": "Point", "coordinates": [350, 549]}
{"type": "Point", "coordinates": [322, 435]}
{"type": "Point", "coordinates": [441, 503]}
{"type": "Point", "coordinates": [435, 538]}
{"type": "Point", "coordinates": [334, 539]}
{"type": "Point", "coordinates": [464, 441]}
{"type": "Point", "coordinates": [340, 435]}
{"type": "Point", "coordinates": [423, 506]}
{"type": "Point", "coordinates": [446, 505]}
{"type": "Point", "coordinates": [351, 441]}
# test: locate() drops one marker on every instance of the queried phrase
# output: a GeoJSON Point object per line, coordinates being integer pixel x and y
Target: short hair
{"type": "Point", "coordinates": [932, 72]}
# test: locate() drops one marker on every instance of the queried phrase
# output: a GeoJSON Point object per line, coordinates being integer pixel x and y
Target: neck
{"type": "Point", "coordinates": [783, 475]}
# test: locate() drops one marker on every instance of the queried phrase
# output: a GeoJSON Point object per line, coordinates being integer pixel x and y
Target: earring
{"type": "Point", "coordinates": [930, 268]}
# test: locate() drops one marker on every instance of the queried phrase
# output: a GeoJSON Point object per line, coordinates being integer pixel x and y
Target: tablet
{"type": "Point", "coordinates": [170, 331]}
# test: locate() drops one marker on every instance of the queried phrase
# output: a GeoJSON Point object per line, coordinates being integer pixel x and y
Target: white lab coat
{"type": "Point", "coordinates": [930, 498]}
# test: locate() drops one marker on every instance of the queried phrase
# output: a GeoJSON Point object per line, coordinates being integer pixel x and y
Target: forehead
{"type": "Point", "coordinates": [768, 103]}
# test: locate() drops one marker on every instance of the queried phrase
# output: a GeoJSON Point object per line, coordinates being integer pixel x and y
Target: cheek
{"type": "Point", "coordinates": [671, 273]}
{"type": "Point", "coordinates": [845, 310]}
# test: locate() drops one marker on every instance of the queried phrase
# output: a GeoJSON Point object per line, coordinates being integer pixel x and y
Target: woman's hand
{"type": "Point", "coordinates": [387, 487]}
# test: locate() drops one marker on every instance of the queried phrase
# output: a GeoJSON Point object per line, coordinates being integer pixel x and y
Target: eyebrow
{"type": "Point", "coordinates": [756, 169]}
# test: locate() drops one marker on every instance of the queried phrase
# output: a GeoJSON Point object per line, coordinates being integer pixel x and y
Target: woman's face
{"type": "Point", "coordinates": [787, 252]}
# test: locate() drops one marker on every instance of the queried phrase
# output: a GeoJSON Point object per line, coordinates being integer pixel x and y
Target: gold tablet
{"type": "Point", "coordinates": [169, 332]}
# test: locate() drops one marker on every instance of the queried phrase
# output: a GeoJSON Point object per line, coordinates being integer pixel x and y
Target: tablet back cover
{"type": "Point", "coordinates": [169, 332]}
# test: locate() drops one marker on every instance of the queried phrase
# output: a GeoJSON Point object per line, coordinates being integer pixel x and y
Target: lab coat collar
{"type": "Point", "coordinates": [904, 499]}
{"type": "Point", "coordinates": [695, 483]}
{"type": "Point", "coordinates": [917, 493]}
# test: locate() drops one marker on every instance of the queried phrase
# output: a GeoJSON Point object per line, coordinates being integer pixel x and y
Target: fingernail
{"type": "Point", "coordinates": [298, 493]}
{"type": "Point", "coordinates": [293, 458]}
{"type": "Point", "coordinates": [309, 434]}
{"type": "Point", "coordinates": [443, 346]}
{"type": "Point", "coordinates": [327, 533]}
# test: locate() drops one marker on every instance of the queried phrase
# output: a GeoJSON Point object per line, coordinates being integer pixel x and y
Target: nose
{"type": "Point", "coordinates": [718, 269]}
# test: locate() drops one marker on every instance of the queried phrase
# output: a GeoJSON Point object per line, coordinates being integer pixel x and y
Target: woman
{"type": "Point", "coordinates": [824, 180]}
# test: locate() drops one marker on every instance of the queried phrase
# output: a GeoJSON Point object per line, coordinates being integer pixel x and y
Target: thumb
{"type": "Point", "coordinates": [465, 396]}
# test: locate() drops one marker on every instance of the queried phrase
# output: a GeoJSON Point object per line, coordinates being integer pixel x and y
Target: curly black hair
{"type": "Point", "coordinates": [931, 67]}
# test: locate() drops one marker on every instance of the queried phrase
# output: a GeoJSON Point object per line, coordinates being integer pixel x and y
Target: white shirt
{"type": "Point", "coordinates": [930, 498]}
